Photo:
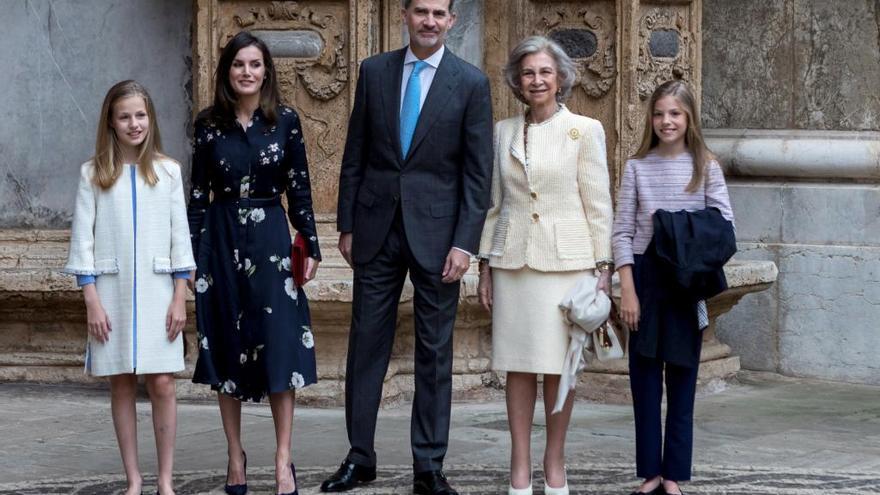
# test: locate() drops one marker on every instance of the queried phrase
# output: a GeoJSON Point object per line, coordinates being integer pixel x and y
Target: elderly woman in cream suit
{"type": "Point", "coordinates": [549, 225]}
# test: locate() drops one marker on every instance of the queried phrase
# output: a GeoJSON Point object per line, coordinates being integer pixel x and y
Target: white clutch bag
{"type": "Point", "coordinates": [604, 342]}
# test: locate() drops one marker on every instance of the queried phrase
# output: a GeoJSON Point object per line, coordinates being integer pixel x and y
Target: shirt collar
{"type": "Point", "coordinates": [433, 60]}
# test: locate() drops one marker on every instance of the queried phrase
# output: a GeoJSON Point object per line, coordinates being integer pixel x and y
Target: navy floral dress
{"type": "Point", "coordinates": [253, 323]}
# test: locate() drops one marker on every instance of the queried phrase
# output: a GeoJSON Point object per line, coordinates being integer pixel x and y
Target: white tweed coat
{"type": "Point", "coordinates": [551, 210]}
{"type": "Point", "coordinates": [132, 236]}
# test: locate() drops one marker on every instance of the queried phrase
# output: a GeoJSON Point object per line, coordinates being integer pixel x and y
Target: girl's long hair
{"type": "Point", "coordinates": [693, 138]}
{"type": "Point", "coordinates": [225, 99]}
{"type": "Point", "coordinates": [108, 160]}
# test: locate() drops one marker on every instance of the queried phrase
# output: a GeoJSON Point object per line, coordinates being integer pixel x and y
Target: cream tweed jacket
{"type": "Point", "coordinates": [133, 236]}
{"type": "Point", "coordinates": [551, 208]}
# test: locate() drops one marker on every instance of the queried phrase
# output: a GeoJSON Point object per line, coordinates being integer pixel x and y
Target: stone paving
{"type": "Point", "coordinates": [762, 434]}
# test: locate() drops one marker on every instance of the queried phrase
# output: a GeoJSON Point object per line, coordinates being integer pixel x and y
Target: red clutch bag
{"type": "Point", "coordinates": [298, 255]}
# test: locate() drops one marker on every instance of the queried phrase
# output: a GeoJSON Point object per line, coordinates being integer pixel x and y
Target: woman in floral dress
{"type": "Point", "coordinates": [253, 321]}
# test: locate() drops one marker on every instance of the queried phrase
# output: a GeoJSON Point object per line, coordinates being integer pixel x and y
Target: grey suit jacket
{"type": "Point", "coordinates": [442, 186]}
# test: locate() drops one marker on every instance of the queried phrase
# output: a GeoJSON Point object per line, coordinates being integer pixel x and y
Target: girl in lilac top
{"type": "Point", "coordinates": [672, 170]}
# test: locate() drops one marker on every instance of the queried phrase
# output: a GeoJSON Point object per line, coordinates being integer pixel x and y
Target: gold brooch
{"type": "Point", "coordinates": [574, 133]}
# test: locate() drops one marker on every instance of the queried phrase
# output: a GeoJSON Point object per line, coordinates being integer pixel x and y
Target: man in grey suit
{"type": "Point", "coordinates": [413, 195]}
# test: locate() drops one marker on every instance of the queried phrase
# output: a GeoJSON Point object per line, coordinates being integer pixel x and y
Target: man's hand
{"type": "Point", "coordinates": [457, 262]}
{"type": "Point", "coordinates": [345, 247]}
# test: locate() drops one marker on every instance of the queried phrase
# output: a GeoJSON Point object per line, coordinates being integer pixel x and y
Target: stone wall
{"type": "Point", "coordinates": [65, 56]}
{"type": "Point", "coordinates": [791, 64]}
{"type": "Point", "coordinates": [808, 197]}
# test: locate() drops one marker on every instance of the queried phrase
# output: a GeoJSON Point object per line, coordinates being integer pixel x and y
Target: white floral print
{"type": "Point", "coordinates": [228, 387]}
{"type": "Point", "coordinates": [258, 215]}
{"type": "Point", "coordinates": [297, 380]}
{"type": "Point", "coordinates": [203, 343]}
{"type": "Point", "coordinates": [243, 358]}
{"type": "Point", "coordinates": [290, 288]}
{"type": "Point", "coordinates": [245, 188]}
{"type": "Point", "coordinates": [283, 264]}
{"type": "Point", "coordinates": [201, 285]}
{"type": "Point", "coordinates": [308, 339]}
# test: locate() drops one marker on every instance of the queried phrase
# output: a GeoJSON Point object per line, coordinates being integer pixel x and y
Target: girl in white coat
{"type": "Point", "coordinates": [131, 253]}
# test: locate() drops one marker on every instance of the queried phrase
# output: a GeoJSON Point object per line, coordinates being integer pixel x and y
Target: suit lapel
{"type": "Point", "coordinates": [445, 81]}
{"type": "Point", "coordinates": [391, 79]}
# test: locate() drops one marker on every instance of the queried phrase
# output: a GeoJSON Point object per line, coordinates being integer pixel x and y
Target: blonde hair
{"type": "Point", "coordinates": [693, 138]}
{"type": "Point", "coordinates": [108, 152]}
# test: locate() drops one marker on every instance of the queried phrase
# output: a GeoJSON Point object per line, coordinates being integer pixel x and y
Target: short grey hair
{"type": "Point", "coordinates": [406, 3]}
{"type": "Point", "coordinates": [565, 68]}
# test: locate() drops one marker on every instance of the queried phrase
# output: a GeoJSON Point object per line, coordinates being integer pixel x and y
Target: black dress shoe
{"type": "Point", "coordinates": [432, 483]}
{"type": "Point", "coordinates": [348, 476]}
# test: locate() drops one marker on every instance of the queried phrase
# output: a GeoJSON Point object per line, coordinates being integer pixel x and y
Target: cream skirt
{"type": "Point", "coordinates": [528, 332]}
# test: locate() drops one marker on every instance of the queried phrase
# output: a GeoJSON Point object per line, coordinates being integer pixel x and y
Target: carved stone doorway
{"type": "Point", "coordinates": [316, 46]}
{"type": "Point", "coordinates": [622, 48]}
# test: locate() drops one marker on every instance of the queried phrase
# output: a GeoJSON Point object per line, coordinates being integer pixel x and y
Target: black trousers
{"type": "Point", "coordinates": [673, 461]}
{"type": "Point", "coordinates": [377, 288]}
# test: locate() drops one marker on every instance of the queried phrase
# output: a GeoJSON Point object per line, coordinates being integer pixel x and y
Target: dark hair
{"type": "Point", "coordinates": [407, 3]}
{"type": "Point", "coordinates": [225, 97]}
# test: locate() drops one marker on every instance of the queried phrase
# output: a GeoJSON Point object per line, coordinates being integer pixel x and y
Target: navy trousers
{"type": "Point", "coordinates": [672, 458]}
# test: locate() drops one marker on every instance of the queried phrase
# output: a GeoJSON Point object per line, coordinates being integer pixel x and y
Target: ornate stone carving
{"type": "Point", "coordinates": [596, 73]}
{"type": "Point", "coordinates": [323, 77]}
{"type": "Point", "coordinates": [653, 70]}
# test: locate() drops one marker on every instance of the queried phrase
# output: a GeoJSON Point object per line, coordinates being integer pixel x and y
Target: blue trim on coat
{"type": "Point", "coordinates": [82, 280]}
{"type": "Point", "coordinates": [134, 285]}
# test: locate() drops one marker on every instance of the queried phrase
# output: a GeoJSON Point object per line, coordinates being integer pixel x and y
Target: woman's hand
{"type": "Point", "coordinates": [96, 318]}
{"type": "Point", "coordinates": [629, 308]}
{"type": "Point", "coordinates": [484, 289]}
{"type": "Point", "coordinates": [629, 301]}
{"type": "Point", "coordinates": [604, 282]}
{"type": "Point", "coordinates": [311, 269]}
{"type": "Point", "coordinates": [175, 320]}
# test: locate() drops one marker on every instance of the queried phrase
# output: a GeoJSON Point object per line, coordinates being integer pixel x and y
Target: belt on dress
{"type": "Point", "coordinates": [250, 202]}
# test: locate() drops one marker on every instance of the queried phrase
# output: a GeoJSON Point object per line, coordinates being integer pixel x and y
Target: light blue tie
{"type": "Point", "coordinates": [409, 112]}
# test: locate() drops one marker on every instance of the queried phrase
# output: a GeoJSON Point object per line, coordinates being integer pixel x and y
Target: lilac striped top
{"type": "Point", "coordinates": [652, 183]}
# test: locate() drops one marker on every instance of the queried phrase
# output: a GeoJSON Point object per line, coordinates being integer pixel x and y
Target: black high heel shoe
{"type": "Point", "coordinates": [295, 490]}
{"type": "Point", "coordinates": [237, 489]}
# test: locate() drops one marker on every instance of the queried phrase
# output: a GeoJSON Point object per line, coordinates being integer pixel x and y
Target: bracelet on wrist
{"type": "Point", "coordinates": [605, 265]}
